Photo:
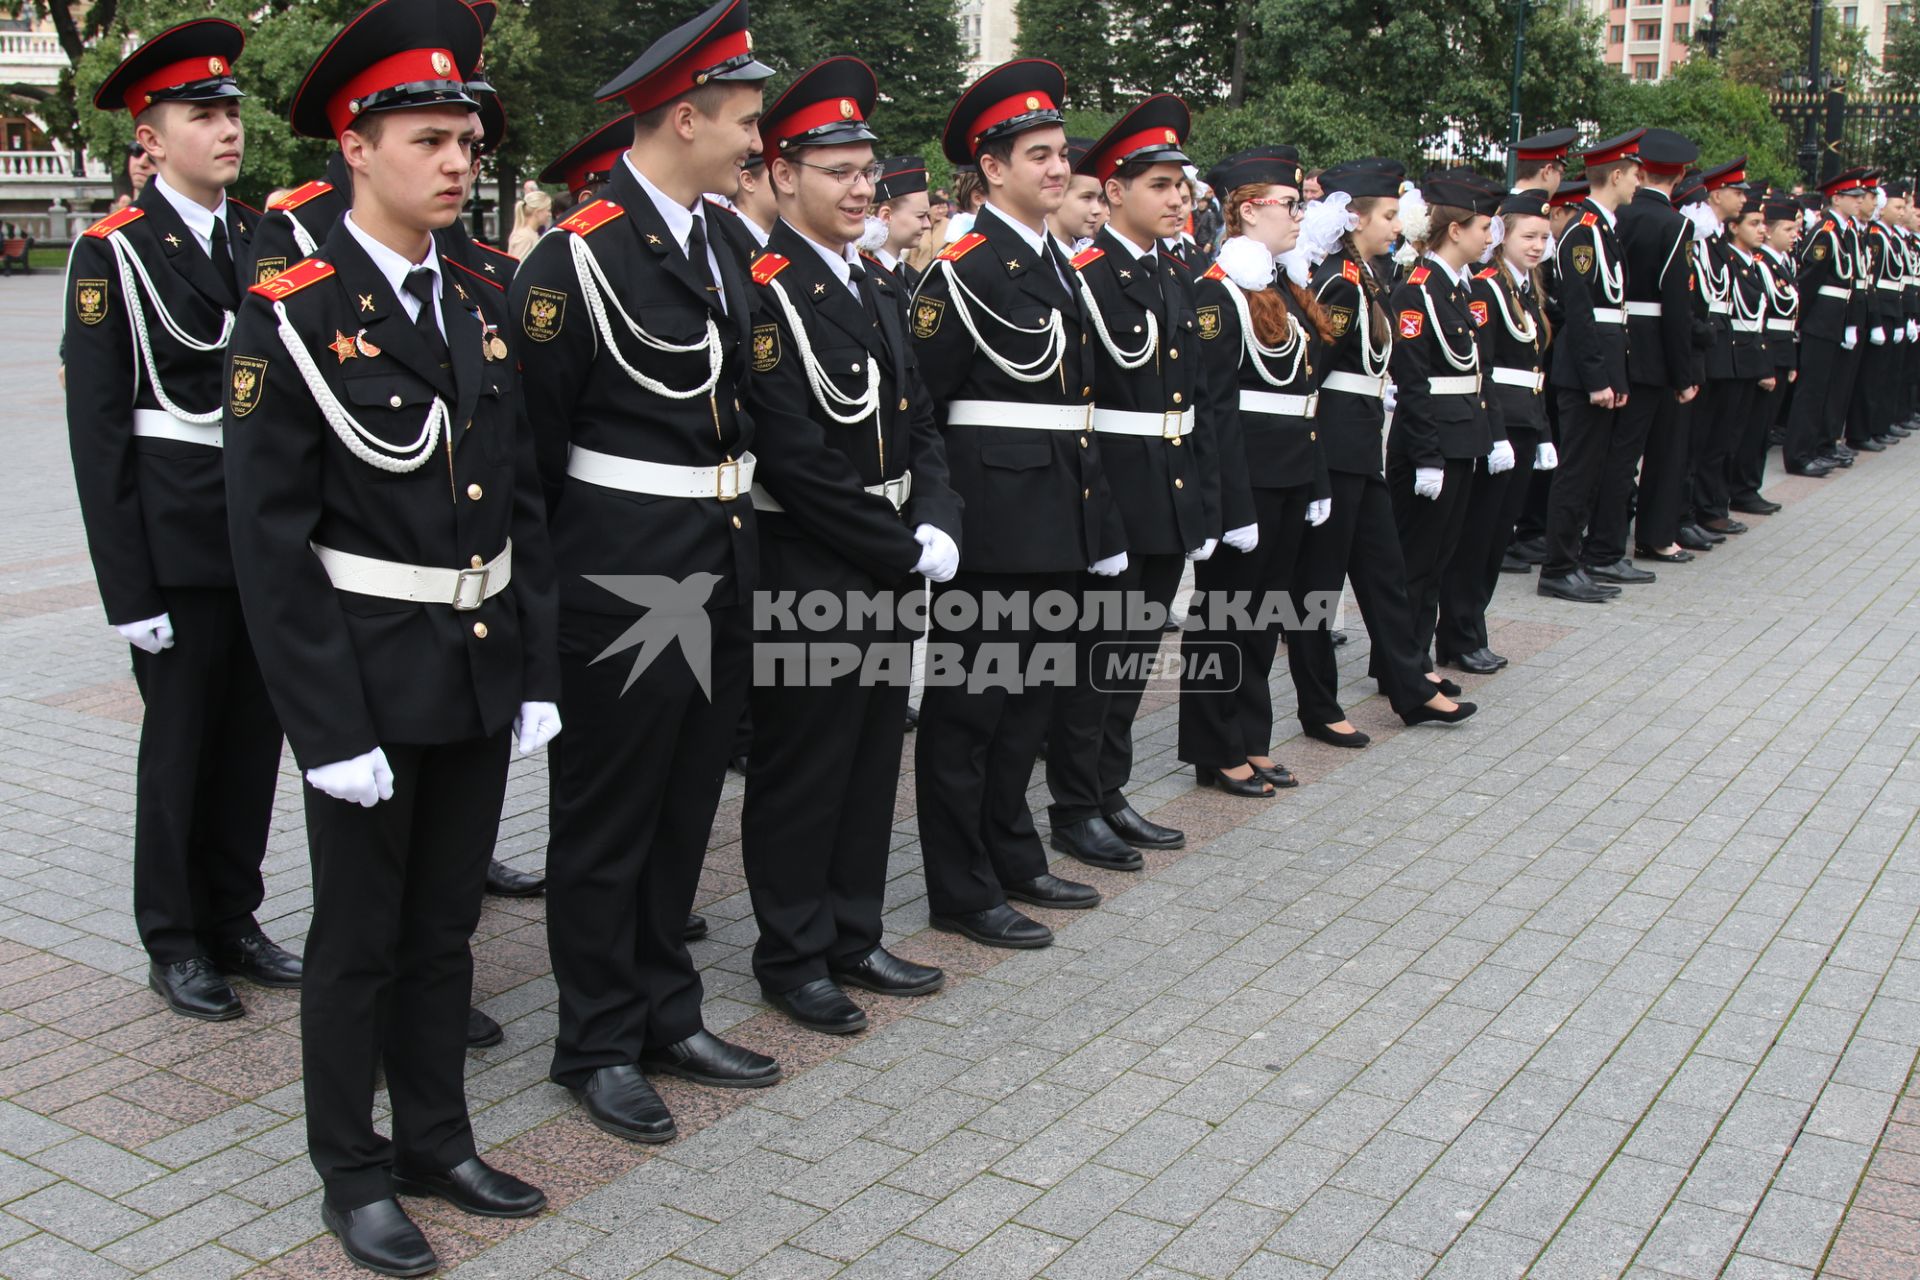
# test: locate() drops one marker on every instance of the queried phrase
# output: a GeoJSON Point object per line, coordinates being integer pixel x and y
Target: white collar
{"type": "Point", "coordinates": [1610, 215]}
{"type": "Point", "coordinates": [1462, 277]}
{"type": "Point", "coordinates": [887, 259]}
{"type": "Point", "coordinates": [1139, 254]}
{"type": "Point", "coordinates": [838, 260]}
{"type": "Point", "coordinates": [678, 217]}
{"type": "Point", "coordinates": [1744, 255]}
{"type": "Point", "coordinates": [1664, 195]}
{"type": "Point", "coordinates": [198, 217]}
{"type": "Point", "coordinates": [1036, 240]}
{"type": "Point", "coordinates": [394, 266]}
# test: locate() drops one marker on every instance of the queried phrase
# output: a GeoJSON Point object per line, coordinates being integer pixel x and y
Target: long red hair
{"type": "Point", "coordinates": [1266, 308]}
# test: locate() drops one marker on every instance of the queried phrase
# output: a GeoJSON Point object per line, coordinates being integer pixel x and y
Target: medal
{"type": "Point", "coordinates": [366, 348]}
{"type": "Point", "coordinates": [493, 345]}
{"type": "Point", "coordinates": [342, 346]}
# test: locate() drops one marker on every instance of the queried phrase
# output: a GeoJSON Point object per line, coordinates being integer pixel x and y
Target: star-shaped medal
{"type": "Point", "coordinates": [1013, 264]}
{"type": "Point", "coordinates": [343, 346]}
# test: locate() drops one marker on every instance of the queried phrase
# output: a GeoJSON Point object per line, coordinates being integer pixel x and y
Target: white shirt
{"type": "Point", "coordinates": [680, 220]}
{"type": "Point", "coordinates": [1139, 254]}
{"type": "Point", "coordinates": [198, 217]}
{"type": "Point", "coordinates": [395, 267]}
{"type": "Point", "coordinates": [887, 259]}
{"type": "Point", "coordinates": [1036, 240]}
{"type": "Point", "coordinates": [838, 260]}
{"type": "Point", "coordinates": [1613, 219]}
{"type": "Point", "coordinates": [1462, 277]}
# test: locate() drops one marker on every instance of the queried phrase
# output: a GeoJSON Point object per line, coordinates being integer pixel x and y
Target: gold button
{"type": "Point", "coordinates": [1083, 339]}
{"type": "Point", "coordinates": [478, 563]}
{"type": "Point", "coordinates": [736, 522]}
{"type": "Point", "coordinates": [474, 492]}
{"type": "Point", "coordinates": [1313, 435]}
{"type": "Point", "coordinates": [479, 631]}
{"type": "Point", "coordinates": [1176, 442]}
{"type": "Point", "coordinates": [1083, 442]}
{"type": "Point", "coordinates": [1176, 397]}
{"type": "Point", "coordinates": [1086, 391]}
{"type": "Point", "coordinates": [393, 402]}
{"type": "Point", "coordinates": [1086, 493]}
{"type": "Point", "coordinates": [903, 404]}
{"type": "Point", "coordinates": [1174, 354]}
{"type": "Point", "coordinates": [1179, 484]}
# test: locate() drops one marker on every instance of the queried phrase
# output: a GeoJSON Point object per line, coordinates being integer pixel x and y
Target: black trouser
{"type": "Point", "coordinates": [1663, 469]}
{"type": "Point", "coordinates": [1584, 443]}
{"type": "Point", "coordinates": [632, 798]}
{"type": "Point", "coordinates": [1467, 586]}
{"type": "Point", "coordinates": [1226, 711]}
{"type": "Point", "coordinates": [389, 976]}
{"type": "Point", "coordinates": [818, 818]}
{"type": "Point", "coordinates": [1532, 522]}
{"type": "Point", "coordinates": [1872, 406]}
{"type": "Point", "coordinates": [976, 747]}
{"type": "Point", "coordinates": [1429, 530]}
{"type": "Point", "coordinates": [209, 759]}
{"type": "Point", "coordinates": [1747, 469]}
{"type": "Point", "coordinates": [1820, 399]}
{"type": "Point", "coordinates": [1729, 409]}
{"type": "Point", "coordinates": [1357, 541]}
{"type": "Point", "coordinates": [1616, 500]}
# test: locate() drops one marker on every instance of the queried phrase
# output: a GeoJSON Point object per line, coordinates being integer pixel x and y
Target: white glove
{"type": "Point", "coordinates": [1204, 551]}
{"type": "Point", "coordinates": [1877, 336]}
{"type": "Point", "coordinates": [1913, 331]}
{"type": "Point", "coordinates": [1245, 538]}
{"type": "Point", "coordinates": [1899, 333]}
{"type": "Point", "coordinates": [535, 726]}
{"type": "Point", "coordinates": [1427, 481]}
{"type": "Point", "coordinates": [1850, 339]}
{"type": "Point", "coordinates": [1111, 567]}
{"type": "Point", "coordinates": [364, 780]}
{"type": "Point", "coordinates": [1318, 510]}
{"type": "Point", "coordinates": [1545, 457]}
{"type": "Point", "coordinates": [1501, 459]}
{"type": "Point", "coordinates": [1389, 396]}
{"type": "Point", "coordinates": [152, 636]}
{"type": "Point", "coordinates": [940, 554]}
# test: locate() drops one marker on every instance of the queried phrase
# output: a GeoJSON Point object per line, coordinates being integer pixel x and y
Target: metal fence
{"type": "Point", "coordinates": [1877, 129]}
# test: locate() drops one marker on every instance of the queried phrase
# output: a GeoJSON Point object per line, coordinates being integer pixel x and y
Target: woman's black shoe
{"type": "Point", "coordinates": [1681, 556]}
{"type": "Point", "coordinates": [1428, 715]}
{"type": "Point", "coordinates": [1333, 738]}
{"type": "Point", "coordinates": [1447, 687]}
{"type": "Point", "coordinates": [1254, 788]}
{"type": "Point", "coordinates": [1277, 774]}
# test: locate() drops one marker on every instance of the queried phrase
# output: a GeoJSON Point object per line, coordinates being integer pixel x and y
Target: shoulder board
{"type": "Point", "coordinates": [301, 195]}
{"type": "Point", "coordinates": [1487, 274]}
{"type": "Point", "coordinates": [1088, 256]}
{"type": "Point", "coordinates": [294, 279]}
{"type": "Point", "coordinates": [1418, 275]}
{"type": "Point", "coordinates": [1826, 226]}
{"type": "Point", "coordinates": [591, 218]}
{"type": "Point", "coordinates": [1215, 272]}
{"type": "Point", "coordinates": [1589, 219]}
{"type": "Point", "coordinates": [767, 266]}
{"type": "Point", "coordinates": [962, 247]}
{"type": "Point", "coordinates": [499, 286]}
{"type": "Point", "coordinates": [1351, 271]}
{"type": "Point", "coordinates": [108, 225]}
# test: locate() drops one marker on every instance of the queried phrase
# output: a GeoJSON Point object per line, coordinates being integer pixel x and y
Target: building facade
{"type": "Point", "coordinates": [37, 172]}
{"type": "Point", "coordinates": [988, 32]}
{"type": "Point", "coordinates": [1644, 41]}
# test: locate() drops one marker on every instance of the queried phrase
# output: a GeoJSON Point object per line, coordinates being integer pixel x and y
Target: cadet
{"type": "Point", "coordinates": [153, 290]}
{"type": "Point", "coordinates": [1883, 359]}
{"type": "Point", "coordinates": [1783, 345]}
{"type": "Point", "coordinates": [1833, 313]}
{"type": "Point", "coordinates": [900, 201]}
{"type": "Point", "coordinates": [638, 325]}
{"type": "Point", "coordinates": [1084, 211]}
{"type": "Point", "coordinates": [391, 552]}
{"type": "Point", "coordinates": [1738, 366]}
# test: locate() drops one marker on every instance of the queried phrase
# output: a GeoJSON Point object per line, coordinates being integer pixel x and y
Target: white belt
{"type": "Point", "coordinates": [1528, 378]}
{"type": "Point", "coordinates": [1839, 291]}
{"type": "Point", "coordinates": [1028, 417]}
{"type": "Point", "coordinates": [1747, 326]}
{"type": "Point", "coordinates": [158, 424]}
{"type": "Point", "coordinates": [1643, 308]}
{"type": "Point", "coordinates": [1355, 384]}
{"type": "Point", "coordinates": [1720, 308]}
{"type": "Point", "coordinates": [1609, 315]}
{"type": "Point", "coordinates": [726, 482]}
{"type": "Point", "coordinates": [1275, 402]}
{"type": "Point", "coordinates": [1778, 325]}
{"type": "Point", "coordinates": [1891, 286]}
{"type": "Point", "coordinates": [461, 589]}
{"type": "Point", "coordinates": [1466, 384]}
{"type": "Point", "coordinates": [894, 491]}
{"type": "Point", "coordinates": [1170, 425]}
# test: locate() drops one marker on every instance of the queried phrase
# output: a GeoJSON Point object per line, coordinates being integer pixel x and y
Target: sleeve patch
{"type": "Point", "coordinates": [249, 380]}
{"type": "Point", "coordinates": [90, 301]}
{"type": "Point", "coordinates": [1087, 256]}
{"type": "Point", "coordinates": [962, 247]}
{"type": "Point", "coordinates": [294, 279]}
{"type": "Point", "coordinates": [927, 314]}
{"type": "Point", "coordinates": [590, 219]}
{"type": "Point", "coordinates": [1340, 319]}
{"type": "Point", "coordinates": [1412, 324]}
{"type": "Point", "coordinates": [1208, 318]}
{"type": "Point", "coordinates": [266, 269]}
{"type": "Point", "coordinates": [767, 266]}
{"type": "Point", "coordinates": [766, 346]}
{"type": "Point", "coordinates": [108, 225]}
{"type": "Point", "coordinates": [1479, 310]}
{"type": "Point", "coordinates": [544, 314]}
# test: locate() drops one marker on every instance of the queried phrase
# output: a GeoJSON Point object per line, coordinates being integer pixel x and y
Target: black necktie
{"type": "Point", "coordinates": [697, 254]}
{"type": "Point", "coordinates": [427, 323]}
{"type": "Point", "coordinates": [223, 260]}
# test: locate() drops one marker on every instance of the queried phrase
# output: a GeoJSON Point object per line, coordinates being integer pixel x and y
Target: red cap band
{"type": "Point", "coordinates": [1727, 179]}
{"type": "Point", "coordinates": [682, 74]}
{"type": "Point", "coordinates": [818, 115]}
{"type": "Point", "coordinates": [583, 170]}
{"type": "Point", "coordinates": [415, 66]}
{"type": "Point", "coordinates": [1663, 170]}
{"type": "Point", "coordinates": [1110, 159]}
{"type": "Point", "coordinates": [1550, 153]}
{"type": "Point", "coordinates": [1625, 151]}
{"type": "Point", "coordinates": [204, 67]}
{"type": "Point", "coordinates": [1020, 104]}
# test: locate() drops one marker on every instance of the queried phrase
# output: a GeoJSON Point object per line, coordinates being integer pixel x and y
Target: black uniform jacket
{"type": "Point", "coordinates": [349, 672]}
{"type": "Point", "coordinates": [1350, 424]}
{"type": "Point", "coordinates": [1833, 279]}
{"type": "Point", "coordinates": [1783, 309]}
{"type": "Point", "coordinates": [1037, 501]}
{"type": "Point", "coordinates": [729, 227]}
{"type": "Point", "coordinates": [314, 207]}
{"type": "Point", "coordinates": [1655, 237]}
{"type": "Point", "coordinates": [1433, 314]}
{"type": "Point", "coordinates": [1517, 339]}
{"type": "Point", "coordinates": [818, 468]}
{"type": "Point", "coordinates": [155, 509]}
{"type": "Point", "coordinates": [1743, 354]}
{"type": "Point", "coordinates": [576, 395]}
{"type": "Point", "coordinates": [1590, 353]}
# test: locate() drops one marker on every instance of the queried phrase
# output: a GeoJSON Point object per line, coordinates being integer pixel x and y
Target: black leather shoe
{"type": "Point", "coordinates": [1049, 890]}
{"type": "Point", "coordinates": [1838, 460]}
{"type": "Point", "coordinates": [1571, 588]}
{"type": "Point", "coordinates": [1479, 662]}
{"type": "Point", "coordinates": [705, 1058]}
{"type": "Point", "coordinates": [1427, 715]}
{"type": "Point", "coordinates": [999, 926]}
{"type": "Point", "coordinates": [482, 1032]}
{"type": "Point", "coordinates": [1868, 446]}
{"type": "Point", "coordinates": [1682, 556]}
{"type": "Point", "coordinates": [1692, 539]}
{"type": "Point", "coordinates": [1722, 526]}
{"type": "Point", "coordinates": [889, 975]}
{"type": "Point", "coordinates": [913, 719]}
{"type": "Point", "coordinates": [1713, 536]}
{"type": "Point", "coordinates": [1279, 775]}
{"type": "Point", "coordinates": [738, 764]}
{"type": "Point", "coordinates": [381, 1237]}
{"type": "Point", "coordinates": [821, 1006]}
{"type": "Point", "coordinates": [1816, 469]}
{"type": "Point", "coordinates": [1142, 834]}
{"type": "Point", "coordinates": [1618, 571]}
{"type": "Point", "coordinates": [195, 989]}
{"type": "Point", "coordinates": [1604, 588]}
{"type": "Point", "coordinates": [1353, 740]}
{"type": "Point", "coordinates": [1531, 550]}
{"type": "Point", "coordinates": [260, 960]}
{"type": "Point", "coordinates": [1092, 841]}
{"type": "Point", "coordinates": [1898, 432]}
{"type": "Point", "coordinates": [476, 1187]}
{"type": "Point", "coordinates": [1755, 506]}
{"type": "Point", "coordinates": [1253, 787]}
{"type": "Point", "coordinates": [696, 928]}
{"type": "Point", "coordinates": [620, 1101]}
{"type": "Point", "coordinates": [1842, 450]}
{"type": "Point", "coordinates": [1510, 563]}
{"type": "Point", "coordinates": [1498, 659]}
{"type": "Point", "coordinates": [505, 882]}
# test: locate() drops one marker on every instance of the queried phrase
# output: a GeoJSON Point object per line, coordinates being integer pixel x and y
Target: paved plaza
{"type": "Point", "coordinates": [1619, 978]}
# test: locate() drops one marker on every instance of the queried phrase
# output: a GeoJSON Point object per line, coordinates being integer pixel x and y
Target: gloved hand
{"type": "Point", "coordinates": [1899, 333]}
{"type": "Point", "coordinates": [1877, 336]}
{"type": "Point", "coordinates": [1427, 481]}
{"type": "Point", "coordinates": [940, 556]}
{"type": "Point", "coordinates": [1545, 457]}
{"type": "Point", "coordinates": [365, 780]}
{"type": "Point", "coordinates": [1913, 331]}
{"type": "Point", "coordinates": [1243, 539]}
{"type": "Point", "coordinates": [152, 636]}
{"type": "Point", "coordinates": [1501, 459]}
{"type": "Point", "coordinates": [1204, 551]}
{"type": "Point", "coordinates": [1318, 510]}
{"type": "Point", "coordinates": [1850, 339]}
{"type": "Point", "coordinates": [535, 726]}
{"type": "Point", "coordinates": [1111, 567]}
{"type": "Point", "coordinates": [1390, 396]}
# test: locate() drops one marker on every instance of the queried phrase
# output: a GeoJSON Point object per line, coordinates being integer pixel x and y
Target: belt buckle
{"type": "Point", "coordinates": [726, 481]}
{"type": "Point", "coordinates": [1171, 420]}
{"type": "Point", "coordinates": [1313, 406]}
{"type": "Point", "coordinates": [466, 600]}
{"type": "Point", "coordinates": [1087, 423]}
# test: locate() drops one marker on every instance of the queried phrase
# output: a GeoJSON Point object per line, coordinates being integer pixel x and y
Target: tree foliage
{"type": "Point", "coordinates": [1767, 39]}
{"type": "Point", "coordinates": [1724, 119]}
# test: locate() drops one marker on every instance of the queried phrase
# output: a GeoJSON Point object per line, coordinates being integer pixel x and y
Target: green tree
{"type": "Point", "coordinates": [1767, 39]}
{"type": "Point", "coordinates": [1077, 34]}
{"type": "Point", "coordinates": [1900, 67]}
{"type": "Point", "coordinates": [1722, 117]}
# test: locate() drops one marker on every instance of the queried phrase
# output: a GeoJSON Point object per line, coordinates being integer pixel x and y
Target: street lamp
{"type": "Point", "coordinates": [1520, 10]}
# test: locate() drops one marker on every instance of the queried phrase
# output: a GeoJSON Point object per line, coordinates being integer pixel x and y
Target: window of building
{"type": "Point", "coordinates": [1646, 70]}
{"type": "Point", "coordinates": [1619, 4]}
{"type": "Point", "coordinates": [1619, 34]}
{"type": "Point", "coordinates": [1680, 32]}
{"type": "Point", "coordinates": [1850, 15]}
{"type": "Point", "coordinates": [1896, 14]}
{"type": "Point", "coordinates": [1646, 31]}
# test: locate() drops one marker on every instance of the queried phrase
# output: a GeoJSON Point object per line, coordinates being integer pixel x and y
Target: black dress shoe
{"type": "Point", "coordinates": [1723, 526]}
{"type": "Point", "coordinates": [504, 881]}
{"type": "Point", "coordinates": [1692, 539]}
{"type": "Point", "coordinates": [1093, 842]}
{"type": "Point", "coordinates": [1899, 432]}
{"type": "Point", "coordinates": [482, 1031]}
{"type": "Point", "coordinates": [913, 719]}
{"type": "Point", "coordinates": [1510, 563]}
{"type": "Point", "coordinates": [1278, 774]}
{"type": "Point", "coordinates": [889, 975]}
{"type": "Point", "coordinates": [1049, 890]}
{"type": "Point", "coordinates": [1531, 550]}
{"type": "Point", "coordinates": [705, 1058]}
{"type": "Point", "coordinates": [1755, 506]}
{"type": "Point", "coordinates": [1885, 438]}
{"type": "Point", "coordinates": [738, 764]}
{"type": "Point", "coordinates": [1842, 449]}
{"type": "Point", "coordinates": [821, 1006]}
{"type": "Point", "coordinates": [1838, 459]}
{"type": "Point", "coordinates": [195, 989]}
{"type": "Point", "coordinates": [1817, 468]}
{"type": "Point", "coordinates": [999, 926]}
{"type": "Point", "coordinates": [1142, 834]}
{"type": "Point", "coordinates": [1604, 588]}
{"type": "Point", "coordinates": [1681, 556]}
{"type": "Point", "coordinates": [1428, 715]}
{"type": "Point", "coordinates": [1479, 662]}
{"type": "Point", "coordinates": [476, 1187]}
{"type": "Point", "coordinates": [381, 1237]}
{"type": "Point", "coordinates": [1867, 446]}
{"type": "Point", "coordinates": [1618, 571]}
{"type": "Point", "coordinates": [1714, 536]}
{"type": "Point", "coordinates": [620, 1101]}
{"type": "Point", "coordinates": [1353, 740]}
{"type": "Point", "coordinates": [1339, 638]}
{"type": "Point", "coordinates": [1254, 787]}
{"type": "Point", "coordinates": [1572, 587]}
{"type": "Point", "coordinates": [696, 928]}
{"type": "Point", "coordinates": [260, 960]}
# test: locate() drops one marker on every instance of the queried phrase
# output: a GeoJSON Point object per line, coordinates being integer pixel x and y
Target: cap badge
{"type": "Point", "coordinates": [1033, 103]}
{"type": "Point", "coordinates": [217, 66]}
{"type": "Point", "coordinates": [748, 37]}
{"type": "Point", "coordinates": [442, 64]}
{"type": "Point", "coordinates": [846, 108]}
{"type": "Point", "coordinates": [1172, 136]}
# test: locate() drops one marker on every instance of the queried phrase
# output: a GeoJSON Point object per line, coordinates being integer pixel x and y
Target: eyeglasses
{"type": "Point", "coordinates": [1293, 207]}
{"type": "Point", "coordinates": [846, 175]}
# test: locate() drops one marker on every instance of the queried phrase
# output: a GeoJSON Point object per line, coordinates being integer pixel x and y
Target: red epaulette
{"type": "Point", "coordinates": [962, 247]}
{"type": "Point", "coordinates": [1488, 274]}
{"type": "Point", "coordinates": [1418, 275]}
{"type": "Point", "coordinates": [113, 222]}
{"type": "Point", "coordinates": [1350, 271]}
{"type": "Point", "coordinates": [1215, 272]}
{"type": "Point", "coordinates": [294, 279]}
{"type": "Point", "coordinates": [1088, 256]}
{"type": "Point", "coordinates": [586, 221]}
{"type": "Point", "coordinates": [498, 286]}
{"type": "Point", "coordinates": [1588, 219]}
{"type": "Point", "coordinates": [300, 195]}
{"type": "Point", "coordinates": [767, 266]}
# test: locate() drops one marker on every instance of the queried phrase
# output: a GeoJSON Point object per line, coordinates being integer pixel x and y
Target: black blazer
{"type": "Point", "coordinates": [1350, 425]}
{"type": "Point", "coordinates": [1783, 307]}
{"type": "Point", "coordinates": [1433, 314]}
{"type": "Point", "coordinates": [1590, 354]}
{"type": "Point", "coordinates": [315, 206]}
{"type": "Point", "coordinates": [1511, 312]}
{"type": "Point", "coordinates": [1743, 353]}
{"type": "Point", "coordinates": [1655, 237]}
{"type": "Point", "coordinates": [1832, 258]}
